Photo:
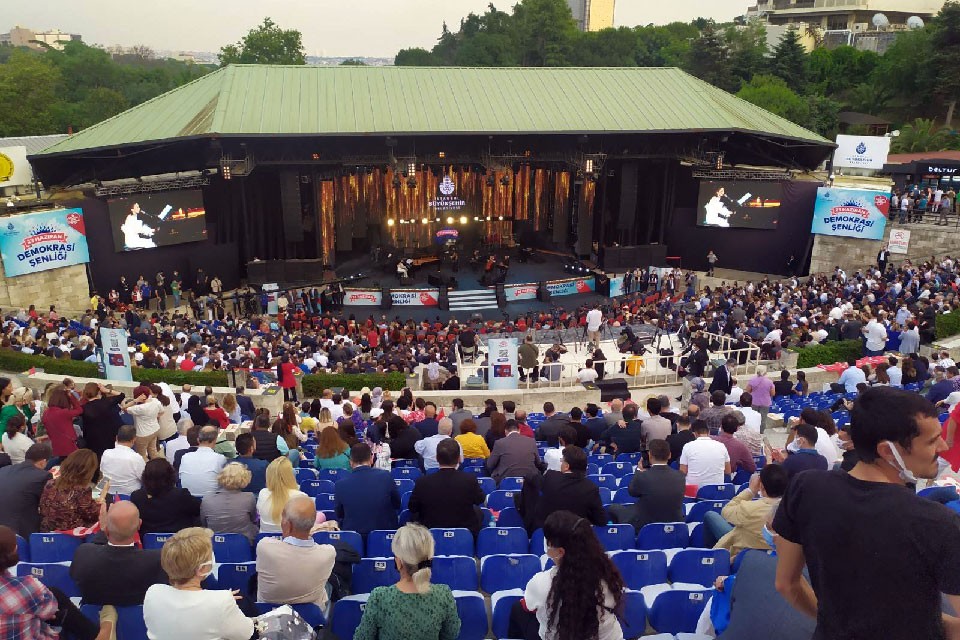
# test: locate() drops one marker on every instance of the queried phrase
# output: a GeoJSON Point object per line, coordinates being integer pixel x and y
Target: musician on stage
{"type": "Point", "coordinates": [718, 213]}
{"type": "Point", "coordinates": [402, 271]}
{"type": "Point", "coordinates": [136, 234]}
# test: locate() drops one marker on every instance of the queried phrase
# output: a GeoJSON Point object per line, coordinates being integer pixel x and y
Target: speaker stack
{"type": "Point", "coordinates": [443, 300]}
{"type": "Point", "coordinates": [543, 293]}
{"type": "Point", "coordinates": [385, 300]}
{"type": "Point", "coordinates": [501, 296]}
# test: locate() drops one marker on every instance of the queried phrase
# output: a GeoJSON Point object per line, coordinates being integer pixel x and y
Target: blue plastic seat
{"type": "Point", "coordinates": [452, 542]}
{"type": "Point", "coordinates": [600, 459]}
{"type": "Point", "coordinates": [351, 538]}
{"type": "Point", "coordinates": [332, 474]}
{"type": "Point", "coordinates": [346, 614]}
{"type": "Point", "coordinates": [378, 543]}
{"type": "Point", "coordinates": [53, 547]}
{"type": "Point", "coordinates": [593, 469]}
{"type": "Point", "coordinates": [717, 491]}
{"type": "Point", "coordinates": [509, 517]}
{"type": "Point", "coordinates": [130, 623]}
{"type": "Point", "coordinates": [405, 462]}
{"type": "Point", "coordinates": [236, 575]}
{"type": "Point", "coordinates": [474, 462]}
{"type": "Point", "coordinates": [618, 469]}
{"type": "Point", "coordinates": [500, 500]}
{"type": "Point", "coordinates": [51, 575]}
{"type": "Point", "coordinates": [677, 611]}
{"type": "Point", "coordinates": [606, 496]}
{"type": "Point", "coordinates": [622, 496]}
{"type": "Point", "coordinates": [700, 508]}
{"type": "Point", "coordinates": [511, 484]}
{"type": "Point", "coordinates": [232, 547]}
{"type": "Point", "coordinates": [501, 602]}
{"type": "Point", "coordinates": [699, 566]}
{"type": "Point", "coordinates": [499, 540]}
{"type": "Point", "coordinates": [314, 487]}
{"type": "Point", "coordinates": [607, 481]}
{"type": "Point", "coordinates": [261, 536]}
{"type": "Point", "coordinates": [405, 473]}
{"type": "Point", "coordinates": [457, 572]}
{"type": "Point", "coordinates": [634, 621]}
{"type": "Point", "coordinates": [23, 549]}
{"type": "Point", "coordinates": [473, 615]}
{"type": "Point", "coordinates": [488, 485]}
{"type": "Point", "coordinates": [499, 572]}
{"type": "Point", "coordinates": [632, 458]}
{"type": "Point", "coordinates": [403, 517]}
{"type": "Point", "coordinates": [302, 474]}
{"type": "Point", "coordinates": [538, 543]}
{"type": "Point", "coordinates": [311, 613]}
{"type": "Point", "coordinates": [480, 472]}
{"type": "Point", "coordinates": [741, 476]}
{"type": "Point", "coordinates": [614, 537]}
{"type": "Point", "coordinates": [325, 502]}
{"type": "Point", "coordinates": [663, 535]}
{"type": "Point", "coordinates": [404, 485]}
{"type": "Point", "coordinates": [370, 573]}
{"type": "Point", "coordinates": [641, 568]}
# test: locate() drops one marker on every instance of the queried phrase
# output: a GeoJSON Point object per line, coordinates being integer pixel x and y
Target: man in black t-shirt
{"type": "Point", "coordinates": [879, 557]}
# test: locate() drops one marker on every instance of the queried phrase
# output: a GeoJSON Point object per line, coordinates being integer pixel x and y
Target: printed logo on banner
{"type": "Point", "coordinates": [415, 298]}
{"type": "Point", "coordinates": [445, 200]}
{"type": "Point", "coordinates": [361, 298]}
{"type": "Point", "coordinates": [44, 240]}
{"type": "Point", "coordinates": [447, 187]}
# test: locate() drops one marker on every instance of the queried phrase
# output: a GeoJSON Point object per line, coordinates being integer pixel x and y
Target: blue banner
{"type": "Point", "coordinates": [503, 363]}
{"type": "Point", "coordinates": [616, 286]}
{"type": "Point", "coordinates": [43, 240]}
{"type": "Point", "coordinates": [853, 213]}
{"type": "Point", "coordinates": [571, 287]}
{"type": "Point", "coordinates": [116, 355]}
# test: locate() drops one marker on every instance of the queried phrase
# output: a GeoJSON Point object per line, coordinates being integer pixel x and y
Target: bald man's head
{"type": "Point", "coordinates": [299, 516]}
{"type": "Point", "coordinates": [122, 522]}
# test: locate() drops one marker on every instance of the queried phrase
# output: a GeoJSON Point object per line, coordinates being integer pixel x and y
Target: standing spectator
{"type": "Point", "coordinates": [121, 465]}
{"type": "Point", "coordinates": [723, 379]}
{"type": "Point", "coordinates": [101, 416]}
{"type": "Point", "coordinates": [145, 410]}
{"type": "Point", "coordinates": [367, 499]}
{"type": "Point", "coordinates": [62, 409]}
{"type": "Point", "coordinates": [448, 498]}
{"type": "Point", "coordinates": [67, 502]}
{"type": "Point", "coordinates": [529, 360]}
{"type": "Point", "coordinates": [751, 417]}
{"type": "Point", "coordinates": [594, 322]}
{"type": "Point", "coordinates": [199, 469]}
{"type": "Point", "coordinates": [761, 391]}
{"type": "Point", "coordinates": [514, 456]}
{"type": "Point", "coordinates": [659, 491]}
{"type": "Point", "coordinates": [281, 487]}
{"type": "Point", "coordinates": [164, 507]}
{"type": "Point", "coordinates": [704, 461]}
{"type": "Point", "coordinates": [711, 262]}
{"type": "Point", "coordinates": [231, 508]}
{"type": "Point", "coordinates": [286, 378]}
{"type": "Point", "coordinates": [23, 485]}
{"type": "Point", "coordinates": [782, 388]}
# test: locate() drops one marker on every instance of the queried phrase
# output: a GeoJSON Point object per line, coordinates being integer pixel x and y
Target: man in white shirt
{"type": "Point", "coordinates": [123, 466]}
{"type": "Point", "coordinates": [199, 469]}
{"type": "Point", "coordinates": [894, 371]}
{"type": "Point", "coordinates": [704, 461]}
{"type": "Point", "coordinates": [553, 457]}
{"type": "Point", "coordinates": [752, 417]}
{"type": "Point", "coordinates": [876, 335]}
{"type": "Point", "coordinates": [594, 320]}
{"type": "Point", "coordinates": [851, 376]}
{"type": "Point", "coordinates": [946, 361]}
{"type": "Point", "coordinates": [184, 396]}
{"type": "Point", "coordinates": [587, 374]}
{"type": "Point", "coordinates": [427, 447]}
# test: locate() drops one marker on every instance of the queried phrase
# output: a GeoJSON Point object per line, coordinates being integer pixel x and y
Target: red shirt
{"type": "Point", "coordinates": [525, 430]}
{"type": "Point", "coordinates": [59, 425]}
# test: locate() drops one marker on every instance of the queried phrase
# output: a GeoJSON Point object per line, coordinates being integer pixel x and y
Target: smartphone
{"type": "Point", "coordinates": [100, 488]}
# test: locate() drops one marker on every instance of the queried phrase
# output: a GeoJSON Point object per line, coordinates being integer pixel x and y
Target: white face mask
{"type": "Point", "coordinates": [211, 562]}
{"type": "Point", "coordinates": [905, 474]}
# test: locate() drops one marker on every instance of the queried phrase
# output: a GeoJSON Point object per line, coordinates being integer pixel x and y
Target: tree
{"type": "Point", "coordinates": [923, 135]}
{"type": "Point", "coordinates": [605, 48]}
{"type": "Point", "coordinates": [790, 60]}
{"type": "Point", "coordinates": [544, 32]}
{"type": "Point", "coordinates": [946, 51]}
{"type": "Point", "coordinates": [266, 44]}
{"type": "Point", "coordinates": [30, 86]}
{"type": "Point", "coordinates": [664, 46]}
{"type": "Point", "coordinates": [708, 59]}
{"type": "Point", "coordinates": [906, 74]}
{"type": "Point", "coordinates": [414, 58]}
{"type": "Point", "coordinates": [773, 94]}
{"type": "Point", "coordinates": [747, 47]}
{"type": "Point", "coordinates": [353, 62]}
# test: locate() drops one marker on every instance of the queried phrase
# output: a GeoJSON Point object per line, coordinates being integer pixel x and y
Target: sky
{"type": "Point", "coordinates": [375, 28]}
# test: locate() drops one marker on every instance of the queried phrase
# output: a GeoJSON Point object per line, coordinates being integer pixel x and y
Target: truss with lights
{"type": "Point", "coordinates": [150, 184]}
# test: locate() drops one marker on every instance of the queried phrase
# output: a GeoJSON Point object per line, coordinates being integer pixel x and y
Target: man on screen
{"type": "Point", "coordinates": [136, 234]}
{"type": "Point", "coordinates": [718, 214]}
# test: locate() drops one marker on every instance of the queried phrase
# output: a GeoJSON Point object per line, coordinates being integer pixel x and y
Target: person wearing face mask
{"type": "Point", "coordinates": [879, 557]}
{"type": "Point", "coordinates": [805, 456]}
{"type": "Point", "coordinates": [183, 609]}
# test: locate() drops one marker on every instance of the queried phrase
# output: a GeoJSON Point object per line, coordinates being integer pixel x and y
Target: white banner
{"type": "Point", "coordinates": [116, 356]}
{"type": "Point", "coordinates": [899, 241]}
{"type": "Point", "coordinates": [14, 168]}
{"type": "Point", "coordinates": [503, 363]}
{"type": "Point", "coordinates": [861, 152]}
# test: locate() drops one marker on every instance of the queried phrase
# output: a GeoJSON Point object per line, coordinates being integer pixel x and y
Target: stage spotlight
{"type": "Point", "coordinates": [442, 155]}
{"type": "Point", "coordinates": [500, 218]}
{"type": "Point", "coordinates": [411, 168]}
{"type": "Point", "coordinates": [488, 218]}
{"type": "Point", "coordinates": [475, 218]}
{"type": "Point", "coordinates": [396, 182]}
{"type": "Point", "coordinates": [491, 181]}
{"type": "Point", "coordinates": [391, 222]}
{"type": "Point", "coordinates": [463, 219]}
{"type": "Point", "coordinates": [412, 182]}
{"type": "Point", "coordinates": [424, 220]}
{"type": "Point", "coordinates": [588, 166]}
{"type": "Point", "coordinates": [449, 219]}
{"type": "Point", "coordinates": [436, 219]}
{"type": "Point", "coordinates": [505, 181]}
{"type": "Point", "coordinates": [225, 171]}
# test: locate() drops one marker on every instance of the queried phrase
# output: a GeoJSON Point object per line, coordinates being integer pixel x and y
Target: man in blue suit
{"type": "Point", "coordinates": [367, 499]}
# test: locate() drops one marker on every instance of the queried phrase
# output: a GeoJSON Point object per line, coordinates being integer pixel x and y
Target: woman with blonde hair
{"type": "Point", "coordinates": [67, 501]}
{"type": "Point", "coordinates": [281, 486]}
{"type": "Point", "coordinates": [229, 404]}
{"type": "Point", "coordinates": [183, 609]}
{"type": "Point", "coordinates": [325, 419]}
{"type": "Point", "coordinates": [413, 607]}
{"type": "Point", "coordinates": [18, 402]}
{"type": "Point", "coordinates": [231, 509]}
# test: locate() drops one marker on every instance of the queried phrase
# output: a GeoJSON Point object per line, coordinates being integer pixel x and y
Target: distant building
{"type": "Point", "coordinates": [23, 37]}
{"type": "Point", "coordinates": [592, 15]}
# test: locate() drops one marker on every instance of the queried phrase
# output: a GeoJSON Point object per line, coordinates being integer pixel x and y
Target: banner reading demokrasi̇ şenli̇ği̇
{"type": "Point", "coordinates": [43, 240]}
{"type": "Point", "coordinates": [854, 213]}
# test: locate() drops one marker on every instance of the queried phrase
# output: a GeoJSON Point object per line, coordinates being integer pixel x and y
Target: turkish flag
{"type": "Point", "coordinates": [75, 220]}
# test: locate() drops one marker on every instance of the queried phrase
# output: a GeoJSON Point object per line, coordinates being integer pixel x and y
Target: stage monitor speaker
{"type": "Point", "coordinates": [613, 389]}
{"type": "Point", "coordinates": [658, 255]}
{"type": "Point", "coordinates": [501, 296]}
{"type": "Point", "coordinates": [290, 206]}
{"type": "Point", "coordinates": [443, 299]}
{"type": "Point", "coordinates": [385, 300]}
{"type": "Point", "coordinates": [628, 195]}
{"type": "Point", "coordinates": [543, 293]}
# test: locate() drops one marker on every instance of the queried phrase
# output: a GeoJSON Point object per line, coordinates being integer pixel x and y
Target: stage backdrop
{"type": "Point", "coordinates": [43, 240]}
{"type": "Point", "coordinates": [760, 250]}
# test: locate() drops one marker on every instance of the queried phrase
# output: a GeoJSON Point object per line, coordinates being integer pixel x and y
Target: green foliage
{"type": "Point", "coordinates": [16, 362]}
{"type": "Point", "coordinates": [545, 31]}
{"type": "Point", "coordinates": [416, 57]}
{"type": "Point", "coordinates": [176, 377]}
{"type": "Point", "coordinates": [773, 94]}
{"type": "Point", "coordinates": [947, 325]}
{"type": "Point", "coordinates": [29, 85]}
{"type": "Point", "coordinates": [314, 383]}
{"type": "Point", "coordinates": [828, 353]}
{"type": "Point", "coordinates": [709, 59]}
{"type": "Point", "coordinates": [945, 56]}
{"type": "Point", "coordinates": [266, 44]}
{"type": "Point", "coordinates": [924, 135]}
{"type": "Point", "coordinates": [353, 62]}
{"type": "Point", "coordinates": [790, 60]}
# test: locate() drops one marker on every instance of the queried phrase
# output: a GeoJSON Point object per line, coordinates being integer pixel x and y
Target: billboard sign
{"type": "Point", "coordinates": [514, 292]}
{"type": "Point", "coordinates": [33, 242]}
{"type": "Point", "coordinates": [571, 287]}
{"type": "Point", "coordinates": [503, 363]}
{"type": "Point", "coordinates": [852, 213]}
{"type": "Point", "coordinates": [14, 168]}
{"type": "Point", "coordinates": [899, 241]}
{"type": "Point", "coordinates": [861, 152]}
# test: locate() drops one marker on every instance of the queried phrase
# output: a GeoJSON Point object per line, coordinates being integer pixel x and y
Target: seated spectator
{"type": "Point", "coordinates": [15, 441]}
{"type": "Point", "coordinates": [367, 499]}
{"type": "Point", "coordinates": [67, 501]}
{"type": "Point", "coordinates": [32, 611]}
{"type": "Point", "coordinates": [427, 447]}
{"type": "Point", "coordinates": [281, 486]}
{"type": "Point", "coordinates": [522, 425]}
{"type": "Point", "coordinates": [231, 509]}
{"type": "Point", "coordinates": [324, 419]}
{"type": "Point", "coordinates": [497, 430]}
{"type": "Point", "coordinates": [413, 607]}
{"type": "Point", "coordinates": [246, 448]}
{"type": "Point", "coordinates": [566, 489]}
{"type": "Point", "coordinates": [656, 427]}
{"type": "Point", "coordinates": [565, 596]}
{"type": "Point", "coordinates": [659, 491]}
{"type": "Point", "coordinates": [215, 414]}
{"type": "Point", "coordinates": [428, 425]}
{"type": "Point", "coordinates": [750, 438]}
{"type": "Point", "coordinates": [332, 452]}
{"type": "Point", "coordinates": [473, 445]}
{"type": "Point", "coordinates": [117, 573]}
{"type": "Point", "coordinates": [121, 465]}
{"type": "Point", "coordinates": [740, 456]}
{"type": "Point", "coordinates": [553, 457]}
{"type": "Point", "coordinates": [22, 487]}
{"type": "Point", "coordinates": [782, 388]}
{"type": "Point", "coordinates": [199, 469]}
{"type": "Point", "coordinates": [247, 410]}
{"type": "Point", "coordinates": [677, 440]}
{"type": "Point", "coordinates": [232, 408]}
{"type": "Point", "coordinates": [514, 456]}
{"type": "Point", "coordinates": [448, 498]}
{"type": "Point", "coordinates": [806, 456]}
{"type": "Point", "coordinates": [595, 424]}
{"type": "Point", "coordinates": [576, 421]}
{"type": "Point", "coordinates": [627, 435]}
{"type": "Point", "coordinates": [187, 558]}
{"type": "Point", "coordinates": [549, 429]}
{"type": "Point", "coordinates": [740, 525]}
{"type": "Point", "coordinates": [294, 569]}
{"type": "Point", "coordinates": [403, 439]}
{"type": "Point", "coordinates": [164, 507]}
{"type": "Point", "coordinates": [704, 461]}
{"type": "Point", "coordinates": [713, 415]}
{"type": "Point", "coordinates": [851, 377]}
{"type": "Point", "coordinates": [175, 445]}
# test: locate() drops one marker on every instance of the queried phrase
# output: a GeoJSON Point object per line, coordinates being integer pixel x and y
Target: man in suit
{"type": "Point", "coordinates": [513, 456]}
{"type": "Point", "coordinates": [448, 498]}
{"type": "Point", "coordinates": [659, 491]}
{"type": "Point", "coordinates": [117, 573]}
{"type": "Point", "coordinates": [723, 379]}
{"type": "Point", "coordinates": [247, 410]}
{"type": "Point", "coordinates": [567, 489]}
{"type": "Point", "coordinates": [627, 435]}
{"type": "Point", "coordinates": [549, 429]}
{"type": "Point", "coordinates": [367, 499]}
{"type": "Point", "coordinates": [22, 485]}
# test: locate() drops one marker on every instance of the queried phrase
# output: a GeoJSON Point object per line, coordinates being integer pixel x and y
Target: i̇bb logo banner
{"type": "Point", "coordinates": [882, 203]}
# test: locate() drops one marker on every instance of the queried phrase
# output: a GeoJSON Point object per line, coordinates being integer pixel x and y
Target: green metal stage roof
{"type": "Point", "coordinates": [262, 100]}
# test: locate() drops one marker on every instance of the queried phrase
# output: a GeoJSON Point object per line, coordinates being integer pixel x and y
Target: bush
{"type": "Point", "coordinates": [828, 353]}
{"type": "Point", "coordinates": [178, 377]}
{"type": "Point", "coordinates": [947, 324]}
{"type": "Point", "coordinates": [315, 383]}
{"type": "Point", "coordinates": [17, 362]}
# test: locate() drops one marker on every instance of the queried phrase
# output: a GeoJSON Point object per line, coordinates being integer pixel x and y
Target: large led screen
{"type": "Point", "coordinates": [739, 204]}
{"type": "Point", "coordinates": [147, 221]}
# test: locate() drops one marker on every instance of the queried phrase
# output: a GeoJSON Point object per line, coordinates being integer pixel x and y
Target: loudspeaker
{"type": "Point", "coordinates": [603, 283]}
{"type": "Point", "coordinates": [257, 272]}
{"type": "Point", "coordinates": [501, 296]}
{"type": "Point", "coordinates": [443, 300]}
{"type": "Point", "coordinates": [543, 294]}
{"type": "Point", "coordinates": [290, 206]}
{"type": "Point", "coordinates": [613, 389]}
{"type": "Point", "coordinates": [628, 195]}
{"type": "Point", "coordinates": [385, 300]}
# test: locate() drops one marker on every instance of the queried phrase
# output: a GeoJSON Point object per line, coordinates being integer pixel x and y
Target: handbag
{"type": "Point", "coordinates": [284, 623]}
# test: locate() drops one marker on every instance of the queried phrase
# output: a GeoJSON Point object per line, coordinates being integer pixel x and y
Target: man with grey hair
{"type": "Point", "coordinates": [615, 414]}
{"type": "Point", "coordinates": [427, 448]}
{"type": "Point", "coordinates": [199, 469]}
{"type": "Point", "coordinates": [294, 569]}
